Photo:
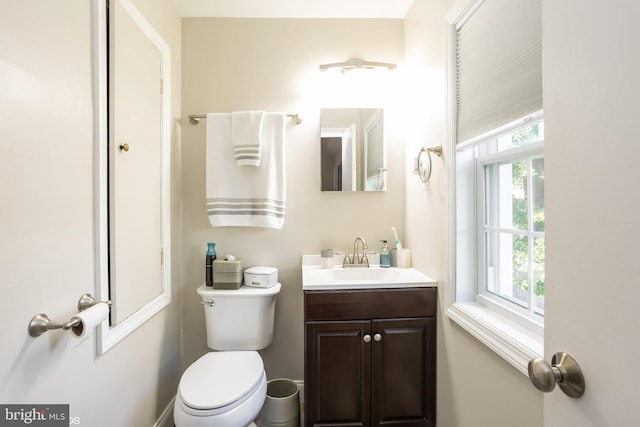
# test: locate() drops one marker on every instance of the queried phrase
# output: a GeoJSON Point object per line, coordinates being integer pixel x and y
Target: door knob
{"type": "Point", "coordinates": [377, 337]}
{"type": "Point", "coordinates": [124, 147]}
{"type": "Point", "coordinates": [563, 370]}
{"type": "Point", "coordinates": [366, 338]}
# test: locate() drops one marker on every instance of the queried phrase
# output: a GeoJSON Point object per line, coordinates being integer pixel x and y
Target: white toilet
{"type": "Point", "coordinates": [227, 387]}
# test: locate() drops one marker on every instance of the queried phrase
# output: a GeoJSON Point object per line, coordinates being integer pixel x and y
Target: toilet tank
{"type": "Point", "coordinates": [239, 319]}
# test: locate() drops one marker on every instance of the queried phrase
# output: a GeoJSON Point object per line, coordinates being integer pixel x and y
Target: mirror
{"type": "Point", "coordinates": [352, 149]}
{"type": "Point", "coordinates": [133, 75]}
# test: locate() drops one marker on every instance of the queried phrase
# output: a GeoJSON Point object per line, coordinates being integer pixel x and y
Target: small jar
{"type": "Point", "coordinates": [326, 258]}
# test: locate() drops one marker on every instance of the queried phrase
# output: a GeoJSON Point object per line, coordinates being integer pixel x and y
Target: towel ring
{"type": "Point", "coordinates": [424, 168]}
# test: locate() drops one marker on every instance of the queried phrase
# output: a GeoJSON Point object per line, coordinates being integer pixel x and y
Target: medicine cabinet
{"type": "Point", "coordinates": [133, 82]}
{"type": "Point", "coordinates": [352, 149]}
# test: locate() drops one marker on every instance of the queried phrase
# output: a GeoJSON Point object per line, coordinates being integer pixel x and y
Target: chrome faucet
{"type": "Point", "coordinates": [357, 259]}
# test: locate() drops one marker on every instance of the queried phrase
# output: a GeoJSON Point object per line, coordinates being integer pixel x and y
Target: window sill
{"type": "Point", "coordinates": [514, 343]}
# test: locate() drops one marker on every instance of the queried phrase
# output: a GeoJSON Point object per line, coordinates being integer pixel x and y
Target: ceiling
{"type": "Point", "coordinates": [396, 9]}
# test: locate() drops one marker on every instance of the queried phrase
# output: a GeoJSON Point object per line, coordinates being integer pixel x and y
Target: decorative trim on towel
{"type": "Point", "coordinates": [247, 155]}
{"type": "Point", "coordinates": [246, 135]}
{"type": "Point", "coordinates": [262, 212]}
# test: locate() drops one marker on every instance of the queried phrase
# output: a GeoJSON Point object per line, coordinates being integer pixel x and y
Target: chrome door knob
{"type": "Point", "coordinates": [563, 370]}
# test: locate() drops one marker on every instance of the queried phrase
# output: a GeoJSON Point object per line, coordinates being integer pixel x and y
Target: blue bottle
{"type": "Point", "coordinates": [385, 256]}
{"type": "Point", "coordinates": [211, 255]}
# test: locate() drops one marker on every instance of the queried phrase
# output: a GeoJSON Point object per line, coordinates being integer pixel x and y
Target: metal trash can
{"type": "Point", "coordinates": [282, 405]}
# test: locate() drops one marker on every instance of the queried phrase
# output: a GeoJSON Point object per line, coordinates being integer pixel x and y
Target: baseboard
{"type": "Point", "coordinates": [166, 418]}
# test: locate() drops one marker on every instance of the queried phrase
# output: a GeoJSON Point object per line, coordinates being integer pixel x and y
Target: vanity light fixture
{"type": "Point", "coordinates": [354, 64]}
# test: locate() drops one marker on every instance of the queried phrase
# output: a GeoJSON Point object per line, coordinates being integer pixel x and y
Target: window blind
{"type": "Point", "coordinates": [498, 65]}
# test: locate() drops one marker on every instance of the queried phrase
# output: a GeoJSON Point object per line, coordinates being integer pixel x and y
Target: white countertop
{"type": "Point", "coordinates": [373, 277]}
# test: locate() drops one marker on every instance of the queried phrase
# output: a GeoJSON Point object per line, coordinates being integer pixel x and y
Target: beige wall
{"type": "Point", "coordinates": [47, 223]}
{"type": "Point", "coordinates": [475, 386]}
{"type": "Point", "coordinates": [271, 64]}
{"type": "Point", "coordinates": [267, 66]}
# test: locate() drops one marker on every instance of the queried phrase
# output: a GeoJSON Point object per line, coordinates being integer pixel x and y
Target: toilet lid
{"type": "Point", "coordinates": [218, 379]}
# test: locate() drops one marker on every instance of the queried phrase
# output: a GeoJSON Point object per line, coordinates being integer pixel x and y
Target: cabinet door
{"type": "Point", "coordinates": [403, 374]}
{"type": "Point", "coordinates": [337, 373]}
{"type": "Point", "coordinates": [135, 174]}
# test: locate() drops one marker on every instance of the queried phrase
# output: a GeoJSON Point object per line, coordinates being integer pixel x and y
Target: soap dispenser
{"type": "Point", "coordinates": [385, 257]}
{"type": "Point", "coordinates": [211, 256]}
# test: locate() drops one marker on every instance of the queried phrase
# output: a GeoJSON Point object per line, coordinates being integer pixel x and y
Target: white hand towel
{"type": "Point", "coordinates": [246, 131]}
{"type": "Point", "coordinates": [241, 196]}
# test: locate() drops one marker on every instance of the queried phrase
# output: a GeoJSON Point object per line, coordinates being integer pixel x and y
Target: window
{"type": "Point", "coordinates": [495, 200]}
{"type": "Point", "coordinates": [510, 222]}
{"type": "Point", "coordinates": [497, 260]}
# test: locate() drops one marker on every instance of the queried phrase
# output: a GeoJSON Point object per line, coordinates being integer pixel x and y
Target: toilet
{"type": "Point", "coordinates": [228, 386]}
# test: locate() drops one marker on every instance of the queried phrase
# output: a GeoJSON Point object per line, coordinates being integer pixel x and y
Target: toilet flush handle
{"type": "Point", "coordinates": [210, 303]}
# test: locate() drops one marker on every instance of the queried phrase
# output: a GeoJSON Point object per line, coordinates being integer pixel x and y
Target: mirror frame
{"type": "Point", "coordinates": [109, 336]}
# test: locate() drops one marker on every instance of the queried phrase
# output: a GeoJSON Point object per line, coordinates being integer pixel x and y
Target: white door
{"type": "Point", "coordinates": [349, 165]}
{"type": "Point", "coordinates": [592, 184]}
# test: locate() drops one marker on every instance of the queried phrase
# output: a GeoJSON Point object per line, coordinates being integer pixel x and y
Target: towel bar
{"type": "Point", "coordinates": [194, 119]}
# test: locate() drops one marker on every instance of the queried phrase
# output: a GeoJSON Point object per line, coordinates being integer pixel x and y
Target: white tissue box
{"type": "Point", "coordinates": [260, 277]}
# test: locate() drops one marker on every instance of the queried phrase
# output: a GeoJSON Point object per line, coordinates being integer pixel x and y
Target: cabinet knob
{"type": "Point", "coordinates": [366, 338]}
{"type": "Point", "coordinates": [377, 337]}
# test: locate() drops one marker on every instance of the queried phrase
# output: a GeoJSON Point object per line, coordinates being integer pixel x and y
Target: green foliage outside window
{"type": "Point", "coordinates": [520, 215]}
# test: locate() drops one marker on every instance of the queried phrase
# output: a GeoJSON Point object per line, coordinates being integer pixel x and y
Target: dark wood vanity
{"type": "Point", "coordinates": [370, 357]}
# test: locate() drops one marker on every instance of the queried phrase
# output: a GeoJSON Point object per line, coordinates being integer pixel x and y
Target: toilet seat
{"type": "Point", "coordinates": [220, 381]}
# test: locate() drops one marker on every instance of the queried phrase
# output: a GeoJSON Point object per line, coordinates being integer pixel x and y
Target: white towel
{"type": "Point", "coordinates": [242, 196]}
{"type": "Point", "coordinates": [246, 131]}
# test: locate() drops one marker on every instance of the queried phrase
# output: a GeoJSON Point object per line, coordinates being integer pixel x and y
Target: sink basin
{"type": "Point", "coordinates": [316, 278]}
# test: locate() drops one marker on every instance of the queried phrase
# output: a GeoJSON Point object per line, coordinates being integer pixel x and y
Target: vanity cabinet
{"type": "Point", "coordinates": [370, 357]}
